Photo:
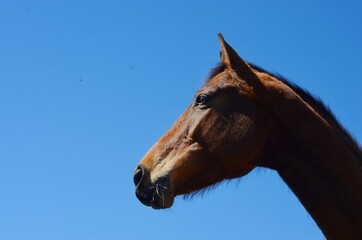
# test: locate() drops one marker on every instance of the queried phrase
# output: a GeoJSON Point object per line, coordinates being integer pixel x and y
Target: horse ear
{"type": "Point", "coordinates": [231, 59]}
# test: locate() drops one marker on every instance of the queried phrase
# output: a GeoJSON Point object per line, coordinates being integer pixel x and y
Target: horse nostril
{"type": "Point", "coordinates": [138, 175]}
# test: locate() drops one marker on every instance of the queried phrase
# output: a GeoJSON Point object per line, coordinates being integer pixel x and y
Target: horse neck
{"type": "Point", "coordinates": [314, 158]}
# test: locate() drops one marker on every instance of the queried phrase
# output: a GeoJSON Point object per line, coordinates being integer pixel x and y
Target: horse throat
{"type": "Point", "coordinates": [318, 163]}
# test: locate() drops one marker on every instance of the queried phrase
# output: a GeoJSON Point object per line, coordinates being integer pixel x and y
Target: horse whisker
{"type": "Point", "coordinates": [162, 186]}
{"type": "Point", "coordinates": [158, 191]}
{"type": "Point", "coordinates": [160, 194]}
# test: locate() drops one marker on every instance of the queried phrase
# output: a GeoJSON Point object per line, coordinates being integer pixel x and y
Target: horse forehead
{"type": "Point", "coordinates": [224, 81]}
{"type": "Point", "coordinates": [220, 80]}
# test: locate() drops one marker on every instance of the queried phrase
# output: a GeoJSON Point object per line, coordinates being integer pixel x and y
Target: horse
{"type": "Point", "coordinates": [245, 117]}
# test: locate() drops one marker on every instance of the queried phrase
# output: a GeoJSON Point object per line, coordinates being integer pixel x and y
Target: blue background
{"type": "Point", "coordinates": [87, 87]}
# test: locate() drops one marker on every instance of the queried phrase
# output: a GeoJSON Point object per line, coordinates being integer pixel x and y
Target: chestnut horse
{"type": "Point", "coordinates": [244, 117]}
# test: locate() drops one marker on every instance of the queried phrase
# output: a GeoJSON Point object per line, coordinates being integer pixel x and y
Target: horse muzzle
{"type": "Point", "coordinates": [155, 195]}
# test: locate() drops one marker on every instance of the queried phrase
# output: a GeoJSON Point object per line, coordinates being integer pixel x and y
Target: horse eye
{"type": "Point", "coordinates": [201, 99]}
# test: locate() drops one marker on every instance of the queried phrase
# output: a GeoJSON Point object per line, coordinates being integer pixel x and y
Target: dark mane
{"type": "Point", "coordinates": [318, 105]}
{"type": "Point", "coordinates": [219, 68]}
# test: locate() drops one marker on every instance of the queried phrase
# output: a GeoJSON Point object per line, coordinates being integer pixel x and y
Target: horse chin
{"type": "Point", "coordinates": [162, 202]}
{"type": "Point", "coordinates": [157, 195]}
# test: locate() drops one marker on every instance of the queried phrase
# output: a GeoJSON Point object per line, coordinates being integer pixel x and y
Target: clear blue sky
{"type": "Point", "coordinates": [86, 87]}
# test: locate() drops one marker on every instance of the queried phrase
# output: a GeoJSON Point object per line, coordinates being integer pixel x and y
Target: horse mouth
{"type": "Point", "coordinates": [156, 196]}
